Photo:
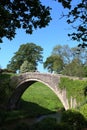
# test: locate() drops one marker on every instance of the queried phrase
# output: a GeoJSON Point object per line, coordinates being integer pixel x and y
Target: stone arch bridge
{"type": "Point", "coordinates": [23, 81]}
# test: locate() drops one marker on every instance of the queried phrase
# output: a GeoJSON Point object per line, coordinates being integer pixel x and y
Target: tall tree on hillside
{"type": "Point", "coordinates": [26, 14]}
{"type": "Point", "coordinates": [54, 63]}
{"type": "Point", "coordinates": [75, 68]}
{"type": "Point", "coordinates": [27, 52]}
{"type": "Point", "coordinates": [61, 55]}
{"type": "Point", "coordinates": [68, 60]}
{"type": "Point", "coordinates": [81, 55]}
{"type": "Point", "coordinates": [64, 52]}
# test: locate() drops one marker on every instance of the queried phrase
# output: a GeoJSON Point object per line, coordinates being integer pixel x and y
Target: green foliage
{"type": "Point", "coordinates": [3, 128]}
{"type": "Point", "coordinates": [64, 52]}
{"type": "Point", "coordinates": [27, 67]}
{"type": "Point", "coordinates": [29, 52]}
{"type": "Point", "coordinates": [40, 100]}
{"type": "Point", "coordinates": [85, 91]}
{"type": "Point", "coordinates": [54, 63]}
{"type": "Point", "coordinates": [66, 4]}
{"type": "Point", "coordinates": [31, 109]}
{"type": "Point", "coordinates": [40, 94]}
{"type": "Point", "coordinates": [63, 126]}
{"type": "Point", "coordinates": [74, 69]}
{"type": "Point", "coordinates": [71, 120]}
{"type": "Point", "coordinates": [2, 118]}
{"type": "Point", "coordinates": [31, 15]}
{"type": "Point", "coordinates": [5, 88]}
{"type": "Point", "coordinates": [85, 70]}
{"type": "Point", "coordinates": [74, 119]}
{"type": "Point", "coordinates": [45, 124]}
{"type": "Point", "coordinates": [67, 61]}
{"type": "Point", "coordinates": [28, 15]}
{"type": "Point", "coordinates": [77, 14]}
{"type": "Point", "coordinates": [22, 126]}
{"type": "Point", "coordinates": [83, 110]}
{"type": "Point", "coordinates": [74, 88]}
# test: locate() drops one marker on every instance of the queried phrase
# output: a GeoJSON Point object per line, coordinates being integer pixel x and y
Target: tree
{"type": "Point", "coordinates": [75, 68]}
{"type": "Point", "coordinates": [54, 63]}
{"type": "Point", "coordinates": [31, 14]}
{"type": "Point", "coordinates": [26, 14]}
{"type": "Point", "coordinates": [29, 52]}
{"type": "Point", "coordinates": [81, 55]}
{"type": "Point", "coordinates": [27, 67]}
{"type": "Point", "coordinates": [67, 61]}
{"type": "Point", "coordinates": [78, 63]}
{"type": "Point", "coordinates": [61, 55]}
{"type": "Point", "coordinates": [77, 17]}
{"type": "Point", "coordinates": [64, 52]}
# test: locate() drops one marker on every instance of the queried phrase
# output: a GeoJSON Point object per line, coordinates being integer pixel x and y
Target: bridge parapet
{"type": "Point", "coordinates": [51, 79]}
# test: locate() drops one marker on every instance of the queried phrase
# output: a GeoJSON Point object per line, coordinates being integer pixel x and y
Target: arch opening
{"type": "Point", "coordinates": [21, 88]}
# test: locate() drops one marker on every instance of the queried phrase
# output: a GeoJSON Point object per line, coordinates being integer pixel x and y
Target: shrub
{"type": "Point", "coordinates": [2, 118]}
{"type": "Point", "coordinates": [83, 110]}
{"type": "Point", "coordinates": [63, 126]}
{"type": "Point", "coordinates": [74, 88]}
{"type": "Point", "coordinates": [5, 89]}
{"type": "Point", "coordinates": [74, 118]}
{"type": "Point", "coordinates": [46, 124]}
{"type": "Point", "coordinates": [21, 126]}
{"type": "Point", "coordinates": [3, 128]}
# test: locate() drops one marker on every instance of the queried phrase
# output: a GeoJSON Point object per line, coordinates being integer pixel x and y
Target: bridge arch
{"type": "Point", "coordinates": [23, 81]}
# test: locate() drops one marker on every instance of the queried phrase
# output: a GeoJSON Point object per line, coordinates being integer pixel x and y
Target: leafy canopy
{"type": "Point", "coordinates": [29, 52]}
{"type": "Point", "coordinates": [26, 14]}
{"type": "Point", "coordinates": [67, 61]}
{"type": "Point", "coordinates": [27, 67]}
{"type": "Point", "coordinates": [31, 14]}
{"type": "Point", "coordinates": [54, 63]}
{"type": "Point", "coordinates": [77, 18]}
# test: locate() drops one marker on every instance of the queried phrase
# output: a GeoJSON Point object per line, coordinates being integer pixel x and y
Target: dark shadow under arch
{"type": "Point", "coordinates": [14, 99]}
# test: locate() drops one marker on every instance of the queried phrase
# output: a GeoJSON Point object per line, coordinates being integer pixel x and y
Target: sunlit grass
{"type": "Point", "coordinates": [42, 95]}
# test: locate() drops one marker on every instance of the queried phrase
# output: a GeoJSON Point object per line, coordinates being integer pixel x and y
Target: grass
{"type": "Point", "coordinates": [43, 96]}
{"type": "Point", "coordinates": [37, 100]}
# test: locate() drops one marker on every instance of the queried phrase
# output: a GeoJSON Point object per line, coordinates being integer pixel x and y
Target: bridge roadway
{"type": "Point", "coordinates": [22, 81]}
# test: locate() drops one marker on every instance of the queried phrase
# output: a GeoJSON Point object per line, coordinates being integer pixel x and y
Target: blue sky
{"type": "Point", "coordinates": [47, 38]}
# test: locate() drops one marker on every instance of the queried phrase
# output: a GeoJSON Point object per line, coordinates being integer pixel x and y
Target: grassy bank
{"type": "Point", "coordinates": [5, 88]}
{"type": "Point", "coordinates": [39, 100]}
{"type": "Point", "coordinates": [74, 89]}
{"type": "Point", "coordinates": [40, 94]}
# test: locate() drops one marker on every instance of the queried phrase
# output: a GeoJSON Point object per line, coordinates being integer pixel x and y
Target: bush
{"type": "Point", "coordinates": [63, 126]}
{"type": "Point", "coordinates": [22, 126]}
{"type": "Point", "coordinates": [3, 128]}
{"type": "Point", "coordinates": [75, 119]}
{"type": "Point", "coordinates": [83, 110]}
{"type": "Point", "coordinates": [5, 89]}
{"type": "Point", "coordinates": [45, 124]}
{"type": "Point", "coordinates": [2, 118]}
{"type": "Point", "coordinates": [74, 88]}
